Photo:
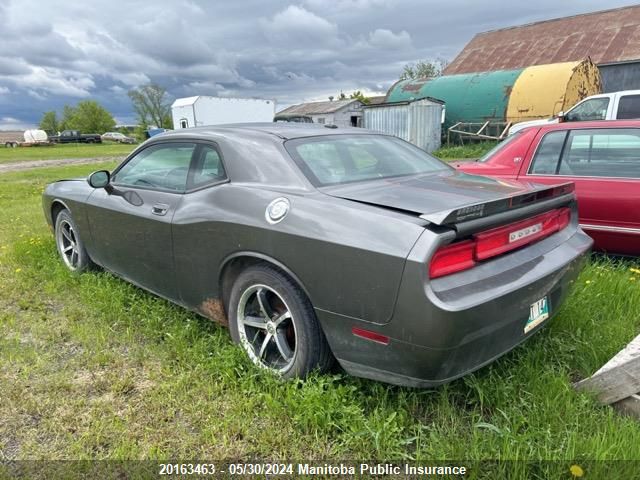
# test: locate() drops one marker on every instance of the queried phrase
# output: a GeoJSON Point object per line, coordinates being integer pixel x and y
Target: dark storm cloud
{"type": "Point", "coordinates": [287, 50]}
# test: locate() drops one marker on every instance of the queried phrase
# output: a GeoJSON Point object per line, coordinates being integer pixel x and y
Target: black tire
{"type": "Point", "coordinates": [299, 335]}
{"type": "Point", "coordinates": [69, 243]}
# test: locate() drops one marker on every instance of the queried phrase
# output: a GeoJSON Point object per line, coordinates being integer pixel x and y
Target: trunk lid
{"type": "Point", "coordinates": [449, 197]}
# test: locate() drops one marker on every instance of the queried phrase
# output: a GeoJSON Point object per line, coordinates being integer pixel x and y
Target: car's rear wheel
{"type": "Point", "coordinates": [69, 244]}
{"type": "Point", "coordinates": [274, 322]}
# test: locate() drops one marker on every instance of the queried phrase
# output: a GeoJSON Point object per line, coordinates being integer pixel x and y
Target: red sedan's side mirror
{"type": "Point", "coordinates": [560, 116]}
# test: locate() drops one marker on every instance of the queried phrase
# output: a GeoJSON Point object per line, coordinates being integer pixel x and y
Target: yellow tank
{"type": "Point", "coordinates": [542, 91]}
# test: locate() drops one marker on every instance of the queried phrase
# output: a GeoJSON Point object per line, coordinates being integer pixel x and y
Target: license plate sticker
{"type": "Point", "coordinates": [525, 232]}
{"type": "Point", "coordinates": [538, 313]}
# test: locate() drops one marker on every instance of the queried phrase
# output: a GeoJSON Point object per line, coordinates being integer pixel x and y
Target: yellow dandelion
{"type": "Point", "coordinates": [633, 279]}
{"type": "Point", "coordinates": [635, 270]}
{"type": "Point", "coordinates": [576, 470]}
{"type": "Point", "coordinates": [588, 282]}
{"type": "Point", "coordinates": [18, 270]}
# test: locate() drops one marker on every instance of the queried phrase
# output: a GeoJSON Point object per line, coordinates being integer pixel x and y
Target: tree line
{"type": "Point", "coordinates": [149, 102]}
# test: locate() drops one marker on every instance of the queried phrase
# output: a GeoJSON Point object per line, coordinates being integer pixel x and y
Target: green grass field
{"type": "Point", "coordinates": [472, 150]}
{"type": "Point", "coordinates": [79, 150]}
{"type": "Point", "coordinates": [92, 367]}
{"type": "Point", "coordinates": [55, 152]}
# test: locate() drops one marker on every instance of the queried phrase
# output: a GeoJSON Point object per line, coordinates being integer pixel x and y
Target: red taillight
{"type": "Point", "coordinates": [452, 258]}
{"type": "Point", "coordinates": [484, 245]}
{"type": "Point", "coordinates": [502, 239]}
{"type": "Point", "coordinates": [564, 218]}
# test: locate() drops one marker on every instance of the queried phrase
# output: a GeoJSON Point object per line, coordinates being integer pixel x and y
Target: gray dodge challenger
{"type": "Point", "coordinates": [315, 243]}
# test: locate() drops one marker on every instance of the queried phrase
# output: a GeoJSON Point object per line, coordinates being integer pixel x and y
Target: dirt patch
{"type": "Point", "coordinates": [18, 166]}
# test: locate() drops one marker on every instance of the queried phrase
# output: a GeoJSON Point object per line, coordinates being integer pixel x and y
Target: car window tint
{"type": "Point", "coordinates": [329, 160]}
{"type": "Point", "coordinates": [164, 167]}
{"type": "Point", "coordinates": [602, 153]}
{"type": "Point", "coordinates": [323, 160]}
{"type": "Point", "coordinates": [629, 107]}
{"type": "Point", "coordinates": [594, 109]}
{"type": "Point", "coordinates": [207, 168]}
{"type": "Point", "coordinates": [547, 155]}
{"type": "Point", "coordinates": [362, 159]}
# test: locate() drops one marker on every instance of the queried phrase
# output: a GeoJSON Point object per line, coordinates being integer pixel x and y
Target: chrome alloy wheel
{"type": "Point", "coordinates": [68, 244]}
{"type": "Point", "coordinates": [267, 328]}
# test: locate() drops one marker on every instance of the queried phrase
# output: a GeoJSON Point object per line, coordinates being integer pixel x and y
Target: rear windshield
{"type": "Point", "coordinates": [337, 159]}
{"type": "Point", "coordinates": [510, 139]}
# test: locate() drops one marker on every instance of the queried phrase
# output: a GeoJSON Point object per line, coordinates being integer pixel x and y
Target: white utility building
{"type": "Point", "coordinates": [201, 110]}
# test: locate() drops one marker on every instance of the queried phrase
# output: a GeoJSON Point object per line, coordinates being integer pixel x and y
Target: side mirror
{"type": "Point", "coordinates": [560, 116]}
{"type": "Point", "coordinates": [99, 179]}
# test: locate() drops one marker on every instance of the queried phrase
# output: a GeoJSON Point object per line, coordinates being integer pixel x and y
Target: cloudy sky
{"type": "Point", "coordinates": [54, 53]}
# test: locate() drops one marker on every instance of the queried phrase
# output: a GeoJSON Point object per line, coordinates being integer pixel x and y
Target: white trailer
{"type": "Point", "coordinates": [31, 138]}
{"type": "Point", "coordinates": [201, 111]}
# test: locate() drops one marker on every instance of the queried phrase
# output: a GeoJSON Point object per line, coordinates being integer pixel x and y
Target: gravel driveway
{"type": "Point", "coordinates": [17, 166]}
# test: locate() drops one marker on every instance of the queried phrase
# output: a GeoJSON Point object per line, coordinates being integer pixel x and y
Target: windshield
{"type": "Point", "coordinates": [336, 159]}
{"type": "Point", "coordinates": [500, 146]}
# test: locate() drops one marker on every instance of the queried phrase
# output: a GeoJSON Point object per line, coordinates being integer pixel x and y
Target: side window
{"type": "Point", "coordinates": [164, 166]}
{"type": "Point", "coordinates": [545, 161]}
{"type": "Point", "coordinates": [207, 168]}
{"type": "Point", "coordinates": [184, 123]}
{"type": "Point", "coordinates": [629, 107]}
{"type": "Point", "coordinates": [594, 109]}
{"type": "Point", "coordinates": [602, 153]}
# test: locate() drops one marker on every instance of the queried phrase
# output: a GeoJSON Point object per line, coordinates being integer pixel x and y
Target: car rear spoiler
{"type": "Point", "coordinates": [512, 206]}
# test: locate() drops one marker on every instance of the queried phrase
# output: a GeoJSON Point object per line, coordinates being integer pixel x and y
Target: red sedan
{"type": "Point", "coordinates": [601, 158]}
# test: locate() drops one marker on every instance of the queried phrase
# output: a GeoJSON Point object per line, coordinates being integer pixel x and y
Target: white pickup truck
{"type": "Point", "coordinates": [606, 106]}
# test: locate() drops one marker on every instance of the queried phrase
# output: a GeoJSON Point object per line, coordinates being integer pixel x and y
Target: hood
{"type": "Point", "coordinates": [463, 163]}
{"type": "Point", "coordinates": [446, 197]}
{"type": "Point", "coordinates": [77, 179]}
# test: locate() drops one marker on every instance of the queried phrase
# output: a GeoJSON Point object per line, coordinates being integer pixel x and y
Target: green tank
{"type": "Point", "coordinates": [473, 97]}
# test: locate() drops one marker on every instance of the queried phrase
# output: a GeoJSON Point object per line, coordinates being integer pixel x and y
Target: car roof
{"type": "Point", "coordinates": [282, 130]}
{"type": "Point", "coordinates": [589, 124]}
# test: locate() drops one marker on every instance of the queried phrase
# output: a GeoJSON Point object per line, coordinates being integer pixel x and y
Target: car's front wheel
{"type": "Point", "coordinates": [69, 244]}
{"type": "Point", "coordinates": [274, 322]}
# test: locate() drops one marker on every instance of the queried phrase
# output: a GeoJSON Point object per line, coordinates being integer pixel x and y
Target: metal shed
{"type": "Point", "coordinates": [418, 122]}
{"type": "Point", "coordinates": [343, 113]}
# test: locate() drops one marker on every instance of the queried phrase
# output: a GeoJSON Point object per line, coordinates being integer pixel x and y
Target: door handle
{"type": "Point", "coordinates": [159, 209]}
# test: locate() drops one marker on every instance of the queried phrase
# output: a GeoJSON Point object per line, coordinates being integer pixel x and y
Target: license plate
{"type": "Point", "coordinates": [538, 313]}
{"type": "Point", "coordinates": [525, 232]}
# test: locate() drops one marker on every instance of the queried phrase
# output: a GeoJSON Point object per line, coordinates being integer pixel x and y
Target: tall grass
{"type": "Point", "coordinates": [93, 367]}
{"type": "Point", "coordinates": [471, 150]}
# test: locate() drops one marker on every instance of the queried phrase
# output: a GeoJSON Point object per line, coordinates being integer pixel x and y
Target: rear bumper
{"type": "Point", "coordinates": [444, 329]}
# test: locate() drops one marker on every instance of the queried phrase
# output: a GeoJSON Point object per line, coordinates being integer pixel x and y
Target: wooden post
{"type": "Point", "coordinates": [617, 383]}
